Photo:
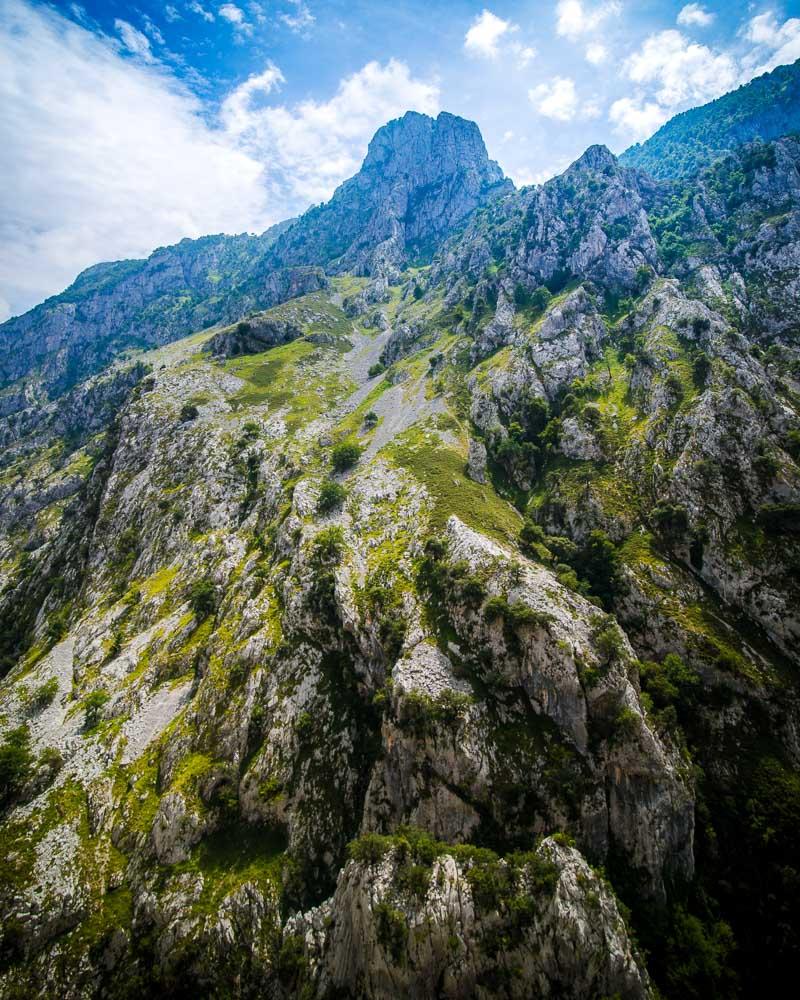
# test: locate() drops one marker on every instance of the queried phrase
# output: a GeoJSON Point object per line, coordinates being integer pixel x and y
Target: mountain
{"type": "Point", "coordinates": [765, 108]}
{"type": "Point", "coordinates": [420, 180]}
{"type": "Point", "coordinates": [433, 631]}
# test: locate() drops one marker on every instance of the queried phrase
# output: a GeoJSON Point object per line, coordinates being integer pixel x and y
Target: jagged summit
{"type": "Point", "coordinates": [596, 157]}
{"type": "Point", "coordinates": [421, 177]}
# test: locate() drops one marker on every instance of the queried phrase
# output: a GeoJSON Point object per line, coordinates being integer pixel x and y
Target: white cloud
{"type": "Point", "coordinates": [694, 14]}
{"type": "Point", "coordinates": [523, 54]}
{"type": "Point", "coordinates": [314, 145]}
{"type": "Point", "coordinates": [236, 111]}
{"type": "Point", "coordinates": [5, 310]}
{"type": "Point", "coordinates": [301, 20]}
{"type": "Point", "coordinates": [767, 33]}
{"type": "Point", "coordinates": [235, 16]}
{"type": "Point", "coordinates": [232, 13]}
{"type": "Point", "coordinates": [573, 18]}
{"type": "Point", "coordinates": [636, 118]}
{"type": "Point", "coordinates": [557, 99]}
{"type": "Point", "coordinates": [105, 157]}
{"type": "Point", "coordinates": [596, 53]}
{"type": "Point", "coordinates": [133, 40]}
{"type": "Point", "coordinates": [683, 71]}
{"type": "Point", "coordinates": [197, 8]}
{"type": "Point", "coordinates": [171, 13]}
{"type": "Point", "coordinates": [484, 35]}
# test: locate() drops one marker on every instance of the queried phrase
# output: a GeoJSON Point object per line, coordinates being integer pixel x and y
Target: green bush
{"type": "Point", "coordinates": [376, 369]}
{"type": "Point", "coordinates": [203, 598]}
{"type": "Point", "coordinates": [391, 929]}
{"type": "Point", "coordinates": [328, 545]}
{"type": "Point", "coordinates": [371, 420]}
{"type": "Point", "coordinates": [331, 496]}
{"type": "Point", "coordinates": [44, 695]}
{"type": "Point", "coordinates": [16, 764]}
{"type": "Point", "coordinates": [92, 706]}
{"type": "Point", "coordinates": [189, 412]}
{"type": "Point", "coordinates": [345, 455]}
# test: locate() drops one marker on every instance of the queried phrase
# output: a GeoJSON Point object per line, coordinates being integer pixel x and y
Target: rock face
{"type": "Point", "coordinates": [431, 631]}
{"type": "Point", "coordinates": [372, 940]}
{"type": "Point", "coordinates": [421, 178]}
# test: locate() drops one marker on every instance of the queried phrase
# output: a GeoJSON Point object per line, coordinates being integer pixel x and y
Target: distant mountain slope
{"type": "Point", "coordinates": [765, 108]}
{"type": "Point", "coordinates": [421, 178]}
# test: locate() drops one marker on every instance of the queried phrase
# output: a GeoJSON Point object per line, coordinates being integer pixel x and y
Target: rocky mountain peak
{"type": "Point", "coordinates": [421, 177]}
{"type": "Point", "coordinates": [596, 157]}
{"type": "Point", "coordinates": [419, 145]}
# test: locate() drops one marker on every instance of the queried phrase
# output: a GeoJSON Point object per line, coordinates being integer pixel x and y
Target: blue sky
{"type": "Point", "coordinates": [125, 126]}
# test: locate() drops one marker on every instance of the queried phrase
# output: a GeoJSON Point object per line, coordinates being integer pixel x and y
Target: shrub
{"type": "Point", "coordinates": [16, 764]}
{"type": "Point", "coordinates": [203, 598]}
{"type": "Point", "coordinates": [345, 455]}
{"type": "Point", "coordinates": [793, 444]}
{"type": "Point", "coordinates": [331, 496]}
{"type": "Point", "coordinates": [701, 366]}
{"type": "Point", "coordinates": [531, 534]}
{"type": "Point", "coordinates": [371, 420]}
{"type": "Point", "coordinates": [328, 545]}
{"type": "Point", "coordinates": [626, 723]}
{"type": "Point", "coordinates": [609, 642]}
{"type": "Point", "coordinates": [541, 298]}
{"type": "Point", "coordinates": [44, 695]}
{"type": "Point", "coordinates": [189, 412]}
{"type": "Point", "coordinates": [376, 369]}
{"type": "Point", "coordinates": [391, 929]}
{"type": "Point", "coordinates": [92, 706]}
{"type": "Point", "coordinates": [671, 521]}
{"type": "Point", "coordinates": [370, 849]}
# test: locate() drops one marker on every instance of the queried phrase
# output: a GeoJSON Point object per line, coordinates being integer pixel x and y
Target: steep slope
{"type": "Point", "coordinates": [421, 178]}
{"type": "Point", "coordinates": [766, 108]}
{"type": "Point", "coordinates": [430, 633]}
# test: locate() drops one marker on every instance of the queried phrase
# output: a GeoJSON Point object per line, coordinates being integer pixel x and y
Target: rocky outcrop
{"type": "Point", "coordinates": [565, 934]}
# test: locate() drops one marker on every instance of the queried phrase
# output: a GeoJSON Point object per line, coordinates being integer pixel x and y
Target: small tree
{"type": "Point", "coordinates": [16, 764]}
{"type": "Point", "coordinates": [202, 598]}
{"type": "Point", "coordinates": [331, 496]}
{"type": "Point", "coordinates": [92, 707]}
{"type": "Point", "coordinates": [345, 455]}
{"type": "Point", "coordinates": [189, 412]}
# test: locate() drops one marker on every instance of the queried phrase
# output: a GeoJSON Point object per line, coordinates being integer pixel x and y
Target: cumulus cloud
{"type": "Point", "coordinates": [232, 13]}
{"type": "Point", "coordinates": [134, 41]}
{"type": "Point", "coordinates": [314, 145]}
{"type": "Point", "coordinates": [767, 33]}
{"type": "Point", "coordinates": [681, 70]}
{"type": "Point", "coordinates": [574, 18]}
{"type": "Point", "coordinates": [596, 53]}
{"type": "Point", "coordinates": [557, 98]}
{"type": "Point", "coordinates": [637, 118]}
{"type": "Point", "coordinates": [483, 37]}
{"type": "Point", "coordinates": [105, 157]}
{"type": "Point", "coordinates": [694, 14]}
